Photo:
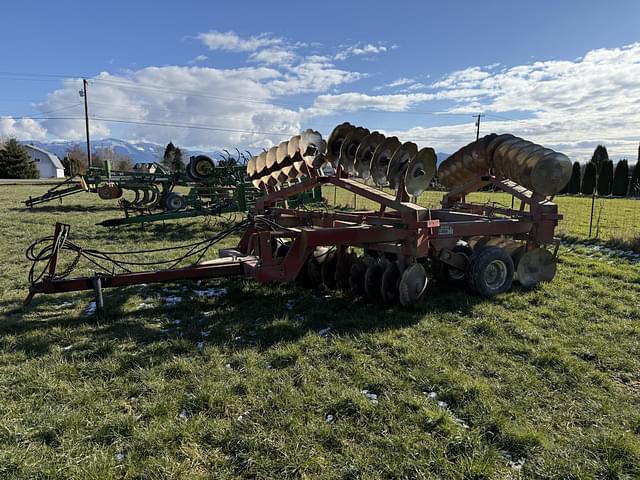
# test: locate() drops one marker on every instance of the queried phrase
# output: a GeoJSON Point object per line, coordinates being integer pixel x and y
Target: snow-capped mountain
{"type": "Point", "coordinates": [143, 152]}
{"type": "Point", "coordinates": [138, 151]}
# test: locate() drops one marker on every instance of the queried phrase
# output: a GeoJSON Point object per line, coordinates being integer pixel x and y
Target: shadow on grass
{"type": "Point", "coordinates": [53, 206]}
{"type": "Point", "coordinates": [247, 316]}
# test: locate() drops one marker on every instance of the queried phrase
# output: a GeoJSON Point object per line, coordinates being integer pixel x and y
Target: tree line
{"type": "Point", "coordinates": [599, 174]}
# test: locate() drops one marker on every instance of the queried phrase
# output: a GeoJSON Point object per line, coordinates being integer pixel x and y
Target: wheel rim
{"type": "Point", "coordinates": [495, 275]}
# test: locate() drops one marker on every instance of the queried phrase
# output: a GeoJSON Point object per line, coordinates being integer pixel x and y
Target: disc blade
{"type": "Point", "coordinates": [420, 171]}
{"type": "Point", "coordinates": [535, 266]}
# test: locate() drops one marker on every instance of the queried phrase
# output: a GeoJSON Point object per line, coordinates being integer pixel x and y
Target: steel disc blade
{"type": "Point", "coordinates": [495, 143]}
{"type": "Point", "coordinates": [356, 275]}
{"type": "Point", "coordinates": [365, 152]}
{"type": "Point", "coordinates": [328, 270]}
{"type": "Point", "coordinates": [399, 162]}
{"type": "Point", "coordinates": [261, 164]}
{"type": "Point", "coordinates": [391, 283]}
{"type": "Point", "coordinates": [373, 279]}
{"type": "Point", "coordinates": [251, 167]}
{"type": "Point", "coordinates": [535, 266]}
{"type": "Point", "coordinates": [382, 158]}
{"type": "Point", "coordinates": [293, 147]}
{"type": "Point", "coordinates": [551, 174]}
{"type": "Point", "coordinates": [412, 285]}
{"type": "Point", "coordinates": [343, 267]}
{"type": "Point", "coordinates": [270, 161]}
{"type": "Point", "coordinates": [350, 147]}
{"type": "Point", "coordinates": [311, 148]}
{"type": "Point", "coordinates": [282, 154]}
{"type": "Point", "coordinates": [420, 172]}
{"type": "Point", "coordinates": [313, 272]}
{"type": "Point", "coordinates": [334, 144]}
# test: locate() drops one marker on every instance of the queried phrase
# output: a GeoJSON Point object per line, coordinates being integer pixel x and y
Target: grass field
{"type": "Point", "coordinates": [616, 220]}
{"type": "Point", "coordinates": [230, 379]}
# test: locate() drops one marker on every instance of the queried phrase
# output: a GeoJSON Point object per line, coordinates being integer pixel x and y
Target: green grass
{"type": "Point", "coordinates": [243, 386]}
{"type": "Point", "coordinates": [616, 220]}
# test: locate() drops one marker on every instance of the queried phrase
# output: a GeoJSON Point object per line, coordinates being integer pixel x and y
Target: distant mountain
{"type": "Point", "coordinates": [140, 152]}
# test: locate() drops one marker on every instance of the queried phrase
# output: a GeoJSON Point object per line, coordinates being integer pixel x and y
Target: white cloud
{"type": "Point", "coordinates": [359, 50]}
{"type": "Point", "coordinates": [197, 59]}
{"type": "Point", "coordinates": [312, 75]}
{"type": "Point", "coordinates": [273, 56]}
{"type": "Point", "coordinates": [570, 103]}
{"type": "Point", "coordinates": [232, 42]}
{"type": "Point", "coordinates": [24, 128]}
{"type": "Point", "coordinates": [353, 101]}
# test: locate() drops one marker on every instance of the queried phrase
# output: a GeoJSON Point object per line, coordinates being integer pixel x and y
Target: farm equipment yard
{"type": "Point", "coordinates": [229, 377]}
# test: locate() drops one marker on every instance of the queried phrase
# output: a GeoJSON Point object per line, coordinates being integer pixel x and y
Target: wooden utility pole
{"type": "Point", "coordinates": [86, 119]}
{"type": "Point", "coordinates": [478, 116]}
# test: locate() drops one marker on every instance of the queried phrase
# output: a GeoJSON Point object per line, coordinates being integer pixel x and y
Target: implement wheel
{"type": "Point", "coordinates": [448, 275]}
{"type": "Point", "coordinates": [490, 271]}
{"type": "Point", "coordinates": [174, 202]}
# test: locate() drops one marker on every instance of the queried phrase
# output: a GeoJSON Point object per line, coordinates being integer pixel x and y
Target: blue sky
{"type": "Point", "coordinates": [276, 67]}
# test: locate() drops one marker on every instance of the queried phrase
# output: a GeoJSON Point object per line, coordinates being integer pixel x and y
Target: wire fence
{"type": "Point", "coordinates": [615, 220]}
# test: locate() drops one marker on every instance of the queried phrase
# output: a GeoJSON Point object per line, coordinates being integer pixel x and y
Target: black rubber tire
{"type": "Point", "coordinates": [446, 275]}
{"type": "Point", "coordinates": [174, 202]}
{"type": "Point", "coordinates": [202, 167]}
{"type": "Point", "coordinates": [490, 271]}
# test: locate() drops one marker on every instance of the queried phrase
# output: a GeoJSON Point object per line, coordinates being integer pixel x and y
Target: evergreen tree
{"type": "Point", "coordinates": [605, 179]}
{"type": "Point", "coordinates": [621, 179]}
{"type": "Point", "coordinates": [573, 187]}
{"type": "Point", "coordinates": [588, 179]}
{"type": "Point", "coordinates": [634, 187]}
{"type": "Point", "coordinates": [600, 157]}
{"type": "Point", "coordinates": [167, 158]}
{"type": "Point", "coordinates": [176, 164]}
{"type": "Point", "coordinates": [15, 162]}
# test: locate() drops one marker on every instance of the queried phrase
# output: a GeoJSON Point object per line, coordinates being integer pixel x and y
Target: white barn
{"type": "Point", "coordinates": [48, 164]}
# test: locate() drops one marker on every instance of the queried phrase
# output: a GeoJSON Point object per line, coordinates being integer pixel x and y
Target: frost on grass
{"type": "Point", "coordinates": [324, 333]}
{"type": "Point", "coordinates": [91, 309]}
{"type": "Point", "coordinates": [173, 300]}
{"type": "Point", "coordinates": [242, 417]}
{"type": "Point", "coordinates": [63, 305]}
{"type": "Point", "coordinates": [373, 397]}
{"type": "Point", "coordinates": [512, 462]}
{"type": "Point", "coordinates": [211, 292]}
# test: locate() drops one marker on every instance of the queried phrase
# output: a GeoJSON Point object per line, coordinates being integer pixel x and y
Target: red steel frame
{"type": "Point", "coordinates": [399, 226]}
